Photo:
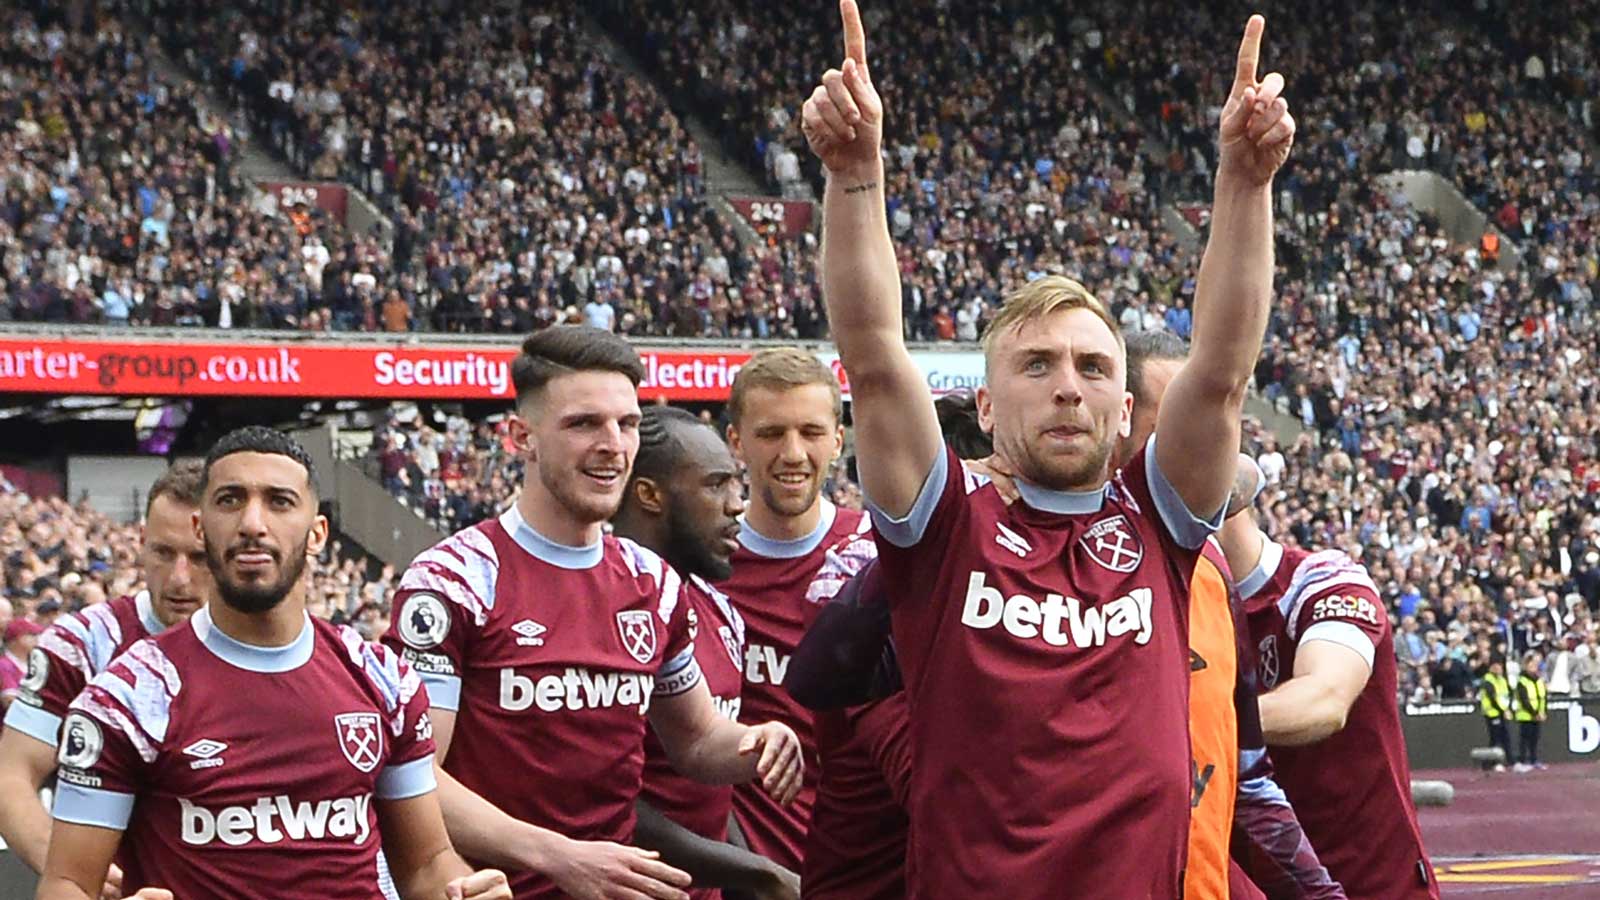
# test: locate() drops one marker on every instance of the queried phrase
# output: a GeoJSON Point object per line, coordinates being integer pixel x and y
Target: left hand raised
{"type": "Point", "coordinates": [780, 766]}
{"type": "Point", "coordinates": [1257, 130]}
{"type": "Point", "coordinates": [486, 884]}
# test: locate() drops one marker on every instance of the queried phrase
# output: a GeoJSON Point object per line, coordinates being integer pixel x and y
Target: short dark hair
{"type": "Point", "coordinates": [958, 422]}
{"type": "Point", "coordinates": [661, 447]}
{"type": "Point", "coordinates": [183, 481]}
{"type": "Point", "coordinates": [562, 349]}
{"type": "Point", "coordinates": [260, 439]}
{"type": "Point", "coordinates": [1143, 346]}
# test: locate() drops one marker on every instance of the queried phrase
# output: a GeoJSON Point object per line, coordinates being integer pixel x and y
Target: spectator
{"type": "Point", "coordinates": [20, 637]}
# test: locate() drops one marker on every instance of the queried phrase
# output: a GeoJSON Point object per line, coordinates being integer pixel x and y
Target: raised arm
{"type": "Point", "coordinates": [1197, 434]}
{"type": "Point", "coordinates": [897, 432]}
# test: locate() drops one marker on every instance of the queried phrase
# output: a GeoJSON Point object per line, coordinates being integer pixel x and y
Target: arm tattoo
{"type": "Point", "coordinates": [860, 188]}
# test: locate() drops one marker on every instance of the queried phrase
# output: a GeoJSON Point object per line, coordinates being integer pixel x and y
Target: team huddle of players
{"type": "Point", "coordinates": [1056, 658]}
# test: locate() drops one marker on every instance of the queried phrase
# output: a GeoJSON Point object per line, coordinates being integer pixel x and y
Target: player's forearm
{"type": "Point", "coordinates": [1233, 294]}
{"type": "Point", "coordinates": [860, 277]}
{"type": "Point", "coordinates": [429, 880]}
{"type": "Point", "coordinates": [1272, 848]}
{"type": "Point", "coordinates": [55, 887]}
{"type": "Point", "coordinates": [482, 831]}
{"type": "Point", "coordinates": [24, 822]}
{"type": "Point", "coordinates": [712, 756]}
{"type": "Point", "coordinates": [710, 863]}
{"type": "Point", "coordinates": [1301, 711]}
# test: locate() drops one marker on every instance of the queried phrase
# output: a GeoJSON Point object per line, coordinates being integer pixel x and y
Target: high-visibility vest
{"type": "Point", "coordinates": [1532, 698]}
{"type": "Point", "coordinates": [1494, 696]}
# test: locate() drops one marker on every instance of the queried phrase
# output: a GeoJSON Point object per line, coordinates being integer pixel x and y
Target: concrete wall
{"type": "Point", "coordinates": [1463, 223]}
{"type": "Point", "coordinates": [362, 509]}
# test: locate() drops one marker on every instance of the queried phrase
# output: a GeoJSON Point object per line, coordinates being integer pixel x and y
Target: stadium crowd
{"type": "Point", "coordinates": [1430, 378]}
{"type": "Point", "coordinates": [61, 557]}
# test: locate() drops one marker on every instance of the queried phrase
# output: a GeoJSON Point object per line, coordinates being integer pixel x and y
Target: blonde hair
{"type": "Point", "coordinates": [782, 369]}
{"type": "Point", "coordinates": [1040, 298]}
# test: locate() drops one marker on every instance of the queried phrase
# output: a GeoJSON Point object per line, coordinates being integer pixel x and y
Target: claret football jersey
{"type": "Point", "coordinates": [550, 656]}
{"type": "Point", "coordinates": [1351, 790]}
{"type": "Point", "coordinates": [247, 772]}
{"type": "Point", "coordinates": [771, 588]}
{"type": "Point", "coordinates": [69, 653]}
{"type": "Point", "coordinates": [1045, 652]}
{"type": "Point", "coordinates": [718, 634]}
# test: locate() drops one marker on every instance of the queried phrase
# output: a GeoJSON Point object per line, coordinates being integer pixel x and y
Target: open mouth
{"type": "Point", "coordinates": [793, 480]}
{"type": "Point", "coordinates": [604, 477]}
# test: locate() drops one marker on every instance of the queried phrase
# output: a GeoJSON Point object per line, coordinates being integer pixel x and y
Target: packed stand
{"type": "Point", "coordinates": [120, 201]}
{"type": "Point", "coordinates": [1002, 162]}
{"type": "Point", "coordinates": [530, 181]}
{"type": "Point", "coordinates": [61, 557]}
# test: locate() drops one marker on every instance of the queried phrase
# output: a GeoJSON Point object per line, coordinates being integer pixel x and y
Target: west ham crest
{"type": "Point", "coordinates": [638, 630]}
{"type": "Point", "coordinates": [1113, 544]}
{"type": "Point", "coordinates": [1269, 662]}
{"type": "Point", "coordinates": [730, 642]}
{"type": "Point", "coordinates": [360, 738]}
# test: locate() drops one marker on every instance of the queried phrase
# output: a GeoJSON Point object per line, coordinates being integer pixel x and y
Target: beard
{"type": "Point", "coordinates": [1086, 470]}
{"type": "Point", "coordinates": [255, 598]}
{"type": "Point", "coordinates": [586, 506]}
{"type": "Point", "coordinates": [690, 550]}
{"type": "Point", "coordinates": [789, 507]}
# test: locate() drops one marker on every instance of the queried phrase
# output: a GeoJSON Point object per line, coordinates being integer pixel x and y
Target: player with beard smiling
{"type": "Point", "coordinates": [254, 752]}
{"type": "Point", "coordinates": [684, 501]}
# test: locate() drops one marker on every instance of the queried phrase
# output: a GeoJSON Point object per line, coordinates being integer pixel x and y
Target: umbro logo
{"type": "Point", "coordinates": [1012, 541]}
{"type": "Point", "coordinates": [205, 752]}
{"type": "Point", "coordinates": [529, 633]}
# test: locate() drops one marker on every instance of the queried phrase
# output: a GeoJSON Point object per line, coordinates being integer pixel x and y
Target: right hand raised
{"type": "Point", "coordinates": [601, 870]}
{"type": "Point", "coordinates": [843, 119]}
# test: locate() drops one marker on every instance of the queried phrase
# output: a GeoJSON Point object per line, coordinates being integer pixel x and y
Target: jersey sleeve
{"type": "Point", "coordinates": [1187, 528]}
{"type": "Point", "coordinates": [680, 670]}
{"type": "Point", "coordinates": [1333, 599]}
{"type": "Point", "coordinates": [408, 769]}
{"type": "Point", "coordinates": [58, 669]}
{"type": "Point", "coordinates": [443, 601]}
{"type": "Point", "coordinates": [935, 509]}
{"type": "Point", "coordinates": [111, 736]}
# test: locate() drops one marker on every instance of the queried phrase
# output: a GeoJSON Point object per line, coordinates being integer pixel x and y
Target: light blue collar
{"type": "Point", "coordinates": [147, 614]}
{"type": "Point", "coordinates": [561, 556]}
{"type": "Point", "coordinates": [1066, 503]}
{"type": "Point", "coordinates": [761, 545]}
{"type": "Point", "coordinates": [249, 657]}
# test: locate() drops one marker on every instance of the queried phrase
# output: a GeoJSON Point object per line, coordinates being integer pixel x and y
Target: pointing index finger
{"type": "Point", "coordinates": [855, 37]}
{"type": "Point", "coordinates": [1249, 53]}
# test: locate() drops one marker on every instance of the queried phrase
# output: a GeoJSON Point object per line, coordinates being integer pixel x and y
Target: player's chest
{"type": "Point", "coordinates": [286, 735]}
{"type": "Point", "coordinates": [1063, 593]}
{"type": "Point", "coordinates": [622, 632]}
{"type": "Point", "coordinates": [771, 595]}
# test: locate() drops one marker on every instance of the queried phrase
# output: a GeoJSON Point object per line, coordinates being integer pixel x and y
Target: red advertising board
{"type": "Point", "coordinates": [791, 218]}
{"type": "Point", "coordinates": [200, 368]}
{"type": "Point", "coordinates": [333, 199]}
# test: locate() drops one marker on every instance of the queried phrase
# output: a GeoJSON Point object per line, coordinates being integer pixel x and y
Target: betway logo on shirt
{"type": "Point", "coordinates": [1057, 620]}
{"type": "Point", "coordinates": [576, 689]}
{"type": "Point", "coordinates": [728, 707]}
{"type": "Point", "coordinates": [271, 819]}
{"type": "Point", "coordinates": [764, 664]}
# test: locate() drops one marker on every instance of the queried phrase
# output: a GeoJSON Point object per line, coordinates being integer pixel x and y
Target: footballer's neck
{"type": "Point", "coordinates": [553, 520]}
{"type": "Point", "coordinates": [279, 626]}
{"type": "Point", "coordinates": [769, 523]}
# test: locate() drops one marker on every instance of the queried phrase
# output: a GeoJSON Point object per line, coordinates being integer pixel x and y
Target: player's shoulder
{"type": "Point", "coordinates": [721, 603]}
{"type": "Point", "coordinates": [1316, 572]}
{"type": "Point", "coordinates": [462, 570]}
{"type": "Point", "coordinates": [842, 560]}
{"type": "Point", "coordinates": [652, 575]}
{"type": "Point", "coordinates": [136, 693]}
{"type": "Point", "coordinates": [90, 637]}
{"type": "Point", "coordinates": [375, 664]}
